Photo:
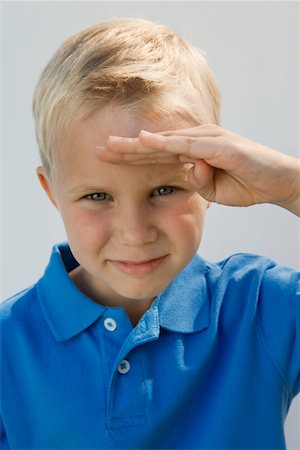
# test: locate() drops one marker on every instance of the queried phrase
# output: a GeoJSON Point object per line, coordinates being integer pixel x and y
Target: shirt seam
{"type": "Point", "coordinates": [271, 358]}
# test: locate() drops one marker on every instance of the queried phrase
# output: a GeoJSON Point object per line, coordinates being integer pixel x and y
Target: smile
{"type": "Point", "coordinates": [138, 267]}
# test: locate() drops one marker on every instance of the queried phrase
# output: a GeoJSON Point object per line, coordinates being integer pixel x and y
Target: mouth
{"type": "Point", "coordinates": [138, 267]}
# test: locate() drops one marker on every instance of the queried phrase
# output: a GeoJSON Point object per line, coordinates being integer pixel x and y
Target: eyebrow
{"type": "Point", "coordinates": [167, 179]}
{"type": "Point", "coordinates": [85, 187]}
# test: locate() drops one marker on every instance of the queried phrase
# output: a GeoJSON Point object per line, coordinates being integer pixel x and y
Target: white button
{"type": "Point", "coordinates": [124, 366]}
{"type": "Point", "coordinates": [110, 324]}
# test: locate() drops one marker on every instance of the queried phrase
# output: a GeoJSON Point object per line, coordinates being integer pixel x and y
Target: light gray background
{"type": "Point", "coordinates": [252, 48]}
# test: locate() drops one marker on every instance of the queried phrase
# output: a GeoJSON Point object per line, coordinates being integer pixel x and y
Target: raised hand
{"type": "Point", "coordinates": [227, 168]}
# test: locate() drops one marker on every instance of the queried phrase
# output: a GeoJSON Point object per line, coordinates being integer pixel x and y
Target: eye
{"type": "Point", "coordinates": [98, 196]}
{"type": "Point", "coordinates": [164, 190]}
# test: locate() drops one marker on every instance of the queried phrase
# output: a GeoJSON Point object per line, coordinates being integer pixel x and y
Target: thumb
{"type": "Point", "coordinates": [201, 175]}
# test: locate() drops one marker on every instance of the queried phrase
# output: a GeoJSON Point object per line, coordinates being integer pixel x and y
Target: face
{"type": "Point", "coordinates": [131, 228]}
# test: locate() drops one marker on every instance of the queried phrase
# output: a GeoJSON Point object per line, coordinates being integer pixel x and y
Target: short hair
{"type": "Point", "coordinates": [138, 64]}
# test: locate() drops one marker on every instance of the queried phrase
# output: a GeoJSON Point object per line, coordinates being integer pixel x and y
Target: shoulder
{"type": "Point", "coordinates": [22, 327]}
{"type": "Point", "coordinates": [19, 307]}
{"type": "Point", "coordinates": [245, 277]}
{"type": "Point", "coordinates": [239, 262]}
{"type": "Point", "coordinates": [241, 267]}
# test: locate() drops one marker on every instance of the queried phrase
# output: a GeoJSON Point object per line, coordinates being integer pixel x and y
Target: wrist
{"type": "Point", "coordinates": [292, 182]}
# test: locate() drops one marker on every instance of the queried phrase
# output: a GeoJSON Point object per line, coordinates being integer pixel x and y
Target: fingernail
{"type": "Point", "coordinates": [100, 147]}
{"type": "Point", "coordinates": [145, 133]}
{"type": "Point", "coordinates": [115, 138]}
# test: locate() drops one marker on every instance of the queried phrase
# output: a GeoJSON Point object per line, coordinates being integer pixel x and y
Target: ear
{"type": "Point", "coordinates": [46, 185]}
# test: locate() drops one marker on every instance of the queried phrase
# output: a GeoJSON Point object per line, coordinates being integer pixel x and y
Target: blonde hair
{"type": "Point", "coordinates": [140, 65]}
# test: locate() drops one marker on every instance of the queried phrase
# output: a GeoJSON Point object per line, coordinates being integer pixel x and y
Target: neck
{"type": "Point", "coordinates": [135, 308]}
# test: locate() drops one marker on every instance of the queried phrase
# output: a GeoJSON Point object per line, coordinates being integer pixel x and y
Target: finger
{"type": "Point", "coordinates": [213, 149]}
{"type": "Point", "coordinates": [126, 145]}
{"type": "Point", "coordinates": [156, 157]}
{"type": "Point", "coordinates": [204, 129]}
{"type": "Point", "coordinates": [184, 149]}
{"type": "Point", "coordinates": [136, 145]}
{"type": "Point", "coordinates": [207, 148]}
{"type": "Point", "coordinates": [201, 175]}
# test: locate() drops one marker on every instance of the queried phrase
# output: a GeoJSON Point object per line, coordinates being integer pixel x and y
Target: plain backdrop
{"type": "Point", "coordinates": [252, 48]}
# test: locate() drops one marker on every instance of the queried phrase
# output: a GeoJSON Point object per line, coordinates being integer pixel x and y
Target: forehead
{"type": "Point", "coordinates": [112, 120]}
{"type": "Point", "coordinates": [75, 149]}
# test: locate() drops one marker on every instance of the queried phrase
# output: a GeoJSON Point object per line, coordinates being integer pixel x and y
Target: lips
{"type": "Point", "coordinates": [138, 267]}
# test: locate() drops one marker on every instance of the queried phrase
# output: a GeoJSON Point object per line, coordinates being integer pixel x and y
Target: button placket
{"type": "Point", "coordinates": [127, 394]}
{"type": "Point", "coordinates": [127, 391]}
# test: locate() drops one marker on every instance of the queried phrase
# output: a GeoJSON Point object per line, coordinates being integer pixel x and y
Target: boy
{"type": "Point", "coordinates": [130, 339]}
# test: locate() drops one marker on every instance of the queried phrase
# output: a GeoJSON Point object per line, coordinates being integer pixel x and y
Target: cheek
{"type": "Point", "coordinates": [185, 220]}
{"type": "Point", "coordinates": [187, 213]}
{"type": "Point", "coordinates": [86, 228]}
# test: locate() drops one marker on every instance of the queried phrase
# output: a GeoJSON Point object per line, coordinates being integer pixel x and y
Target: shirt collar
{"type": "Point", "coordinates": [67, 310]}
{"type": "Point", "coordinates": [182, 307]}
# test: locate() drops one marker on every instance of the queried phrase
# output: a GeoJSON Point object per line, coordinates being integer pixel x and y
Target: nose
{"type": "Point", "coordinates": [136, 228]}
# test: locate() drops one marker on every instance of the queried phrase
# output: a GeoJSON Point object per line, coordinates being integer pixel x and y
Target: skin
{"type": "Point", "coordinates": [111, 152]}
{"type": "Point", "coordinates": [117, 216]}
{"type": "Point", "coordinates": [227, 168]}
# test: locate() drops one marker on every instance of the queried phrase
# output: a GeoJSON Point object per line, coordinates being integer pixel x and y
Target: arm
{"type": "Point", "coordinates": [227, 168]}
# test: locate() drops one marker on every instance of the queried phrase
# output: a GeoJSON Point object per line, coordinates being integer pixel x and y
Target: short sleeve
{"type": "Point", "coordinates": [279, 322]}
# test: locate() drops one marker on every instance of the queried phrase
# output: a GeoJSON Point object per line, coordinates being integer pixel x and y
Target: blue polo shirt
{"type": "Point", "coordinates": [213, 364]}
